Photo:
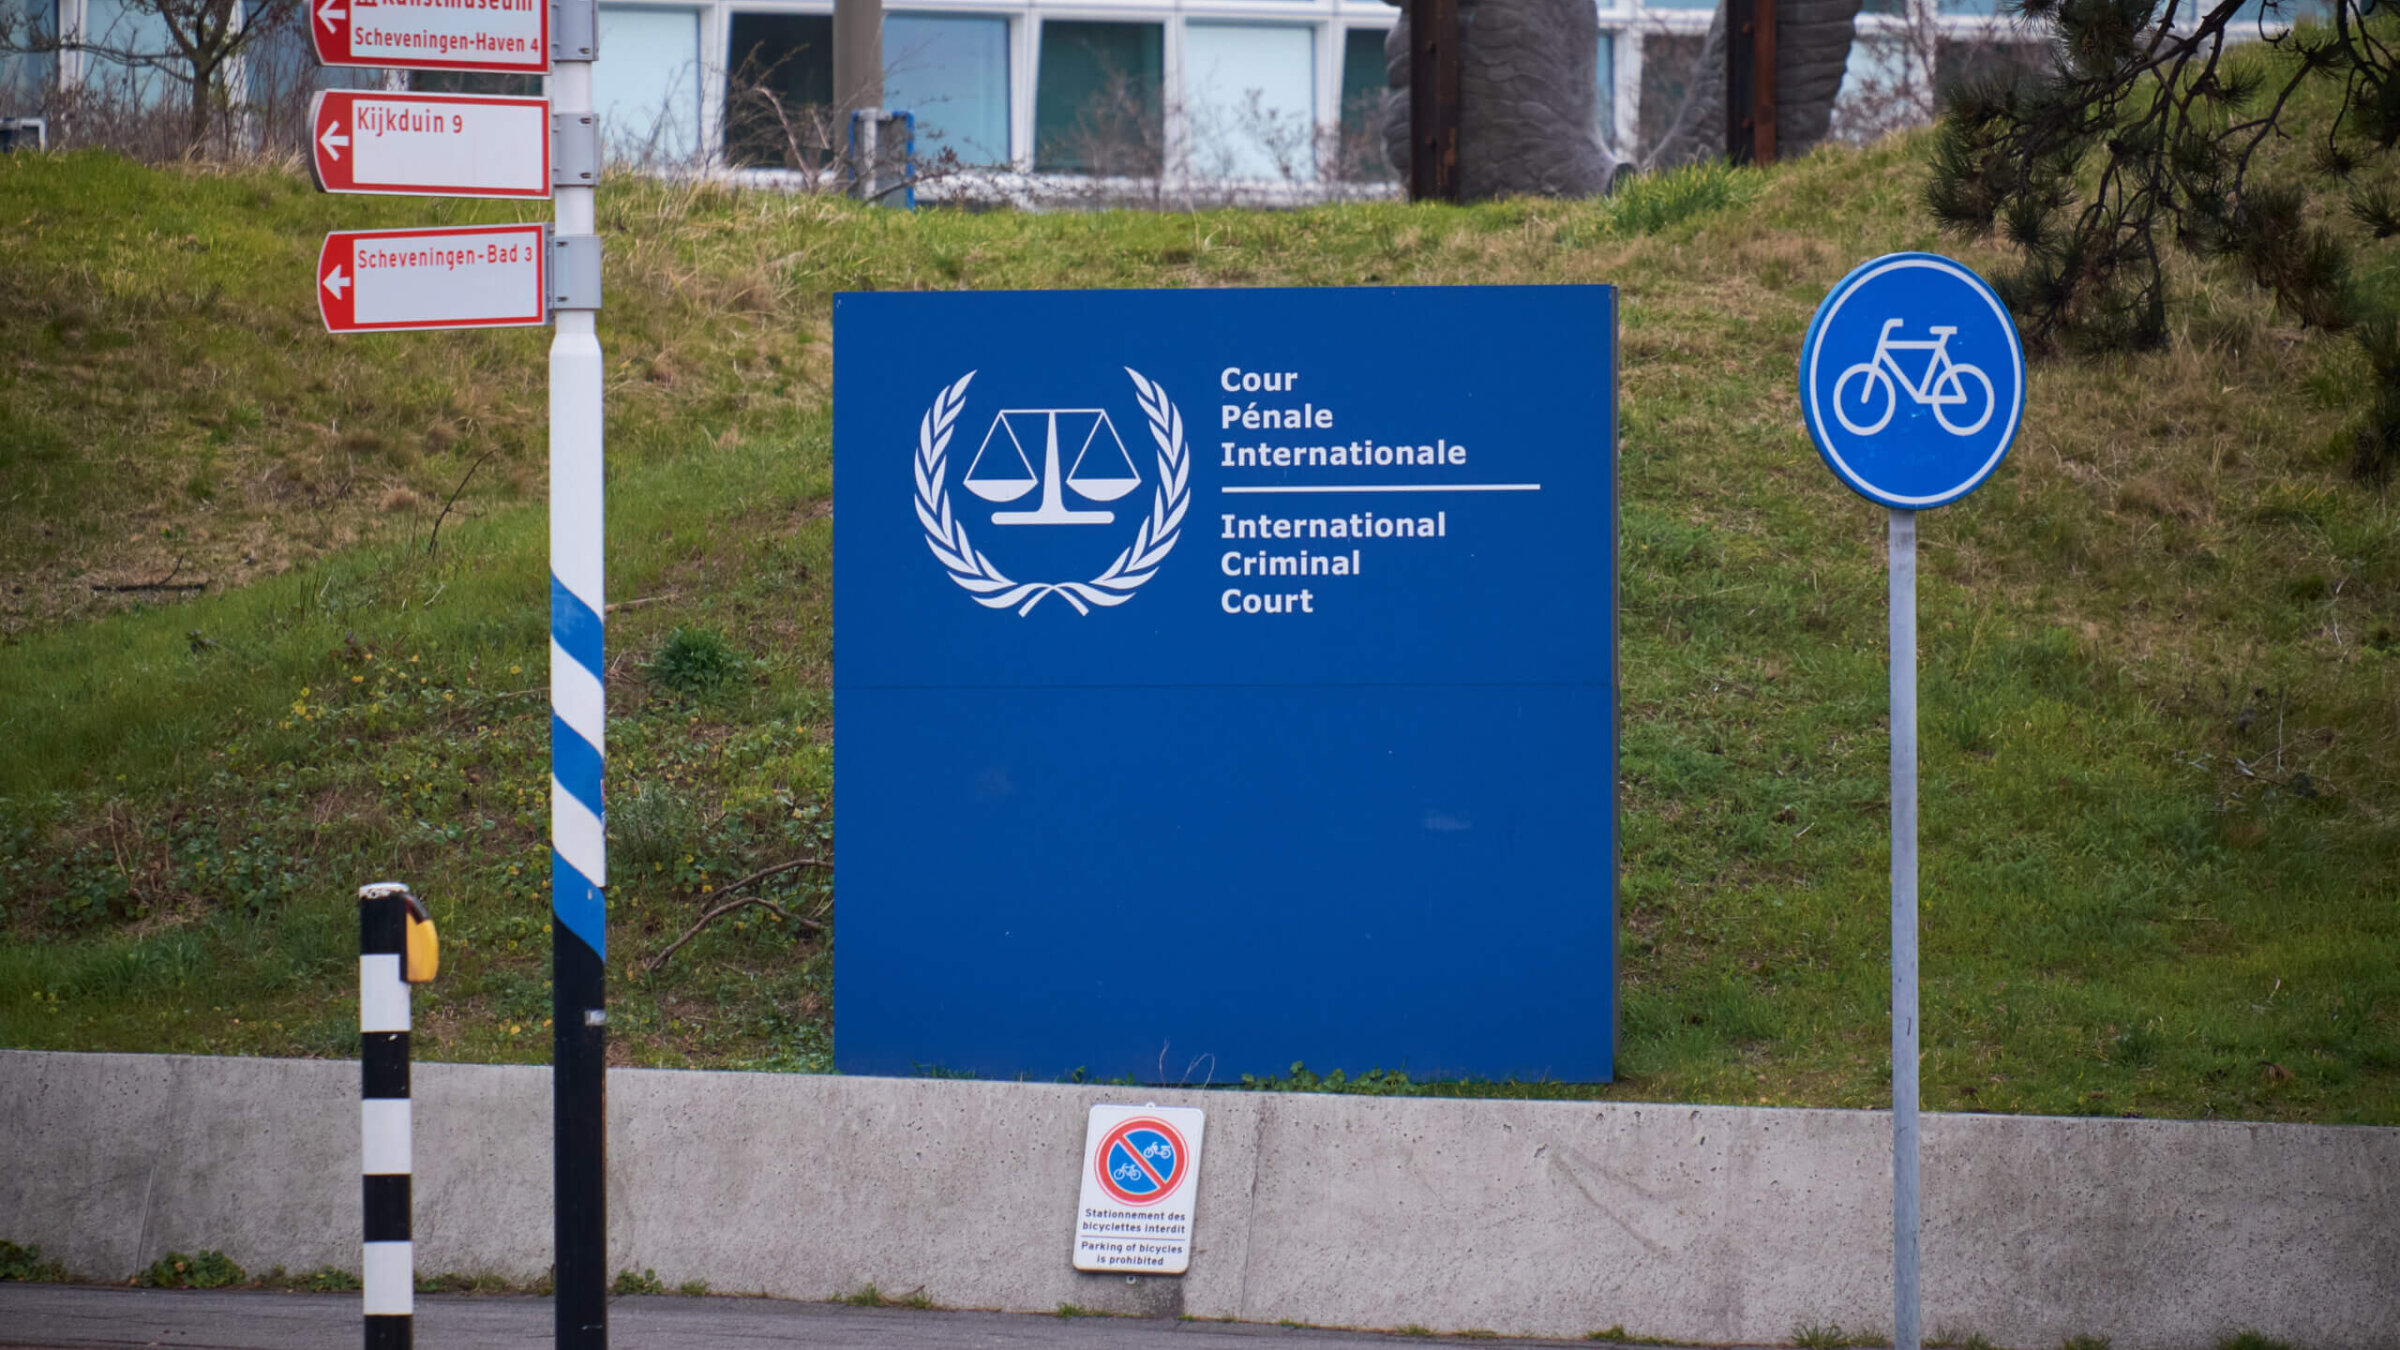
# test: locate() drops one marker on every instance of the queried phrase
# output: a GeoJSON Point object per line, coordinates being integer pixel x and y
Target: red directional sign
{"type": "Point", "coordinates": [469, 276]}
{"type": "Point", "coordinates": [451, 145]}
{"type": "Point", "coordinates": [497, 35]}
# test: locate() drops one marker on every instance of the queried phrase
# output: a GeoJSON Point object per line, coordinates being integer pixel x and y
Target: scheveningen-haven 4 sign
{"type": "Point", "coordinates": [1226, 679]}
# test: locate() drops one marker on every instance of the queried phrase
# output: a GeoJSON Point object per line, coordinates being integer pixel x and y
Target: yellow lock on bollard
{"type": "Point", "coordinates": [424, 959]}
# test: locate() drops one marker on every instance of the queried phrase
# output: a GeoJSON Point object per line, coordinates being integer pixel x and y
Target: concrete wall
{"type": "Point", "coordinates": [1693, 1223]}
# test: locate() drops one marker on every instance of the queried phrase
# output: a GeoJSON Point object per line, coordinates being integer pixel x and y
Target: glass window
{"type": "Point", "coordinates": [1607, 70]}
{"type": "Point", "coordinates": [1365, 80]}
{"type": "Point", "coordinates": [1097, 100]}
{"type": "Point", "coordinates": [116, 26]}
{"type": "Point", "coordinates": [778, 90]}
{"type": "Point", "coordinates": [1963, 60]}
{"type": "Point", "coordinates": [951, 70]}
{"type": "Point", "coordinates": [1881, 89]}
{"type": "Point", "coordinates": [1252, 94]}
{"type": "Point", "coordinates": [26, 78]}
{"type": "Point", "coordinates": [1666, 70]}
{"type": "Point", "coordinates": [1365, 76]}
{"type": "Point", "coordinates": [647, 88]}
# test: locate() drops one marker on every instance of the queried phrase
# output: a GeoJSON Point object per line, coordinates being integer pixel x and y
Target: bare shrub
{"type": "Point", "coordinates": [165, 79]}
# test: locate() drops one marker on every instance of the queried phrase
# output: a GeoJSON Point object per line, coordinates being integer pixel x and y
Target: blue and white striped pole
{"type": "Point", "coordinates": [578, 714]}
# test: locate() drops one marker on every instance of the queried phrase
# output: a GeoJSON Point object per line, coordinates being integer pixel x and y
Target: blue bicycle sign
{"type": "Point", "coordinates": [1912, 381]}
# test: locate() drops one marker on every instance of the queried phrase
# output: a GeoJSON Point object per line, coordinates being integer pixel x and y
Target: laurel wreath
{"type": "Point", "coordinates": [946, 534]}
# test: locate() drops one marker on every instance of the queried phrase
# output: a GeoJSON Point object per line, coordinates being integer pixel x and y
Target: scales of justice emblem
{"type": "Point", "coordinates": [1101, 470]}
{"type": "Point", "coordinates": [1008, 481]}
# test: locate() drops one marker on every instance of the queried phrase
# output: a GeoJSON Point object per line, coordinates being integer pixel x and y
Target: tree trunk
{"type": "Point", "coordinates": [1529, 101]}
{"type": "Point", "coordinates": [204, 79]}
{"type": "Point", "coordinates": [1812, 49]}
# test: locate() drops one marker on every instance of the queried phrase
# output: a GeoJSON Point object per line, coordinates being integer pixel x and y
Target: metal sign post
{"type": "Point", "coordinates": [482, 276]}
{"type": "Point", "coordinates": [1912, 383]}
{"type": "Point", "coordinates": [579, 710]}
{"type": "Point", "coordinates": [1906, 1307]}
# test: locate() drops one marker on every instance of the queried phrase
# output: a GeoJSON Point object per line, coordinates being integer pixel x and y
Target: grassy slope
{"type": "Point", "coordinates": [2162, 728]}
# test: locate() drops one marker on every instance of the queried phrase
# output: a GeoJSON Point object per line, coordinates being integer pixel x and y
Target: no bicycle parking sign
{"type": "Point", "coordinates": [1216, 691]}
{"type": "Point", "coordinates": [1141, 1184]}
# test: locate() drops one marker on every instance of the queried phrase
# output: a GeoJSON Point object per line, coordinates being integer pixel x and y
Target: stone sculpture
{"type": "Point", "coordinates": [1529, 100]}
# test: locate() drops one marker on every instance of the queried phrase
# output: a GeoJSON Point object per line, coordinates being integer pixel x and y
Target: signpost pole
{"type": "Point", "coordinates": [1909, 446]}
{"type": "Point", "coordinates": [579, 865]}
{"type": "Point", "coordinates": [1906, 1310]}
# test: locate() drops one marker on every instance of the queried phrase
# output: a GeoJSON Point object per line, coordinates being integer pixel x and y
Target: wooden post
{"type": "Point", "coordinates": [1750, 81]}
{"type": "Point", "coordinates": [1433, 99]}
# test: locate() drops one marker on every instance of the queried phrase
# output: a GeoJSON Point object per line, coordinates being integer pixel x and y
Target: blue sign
{"type": "Point", "coordinates": [1912, 380]}
{"type": "Point", "coordinates": [1224, 679]}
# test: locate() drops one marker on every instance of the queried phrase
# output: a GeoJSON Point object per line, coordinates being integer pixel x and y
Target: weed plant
{"type": "Point", "coordinates": [209, 1269]}
{"type": "Point", "coordinates": [27, 1264]}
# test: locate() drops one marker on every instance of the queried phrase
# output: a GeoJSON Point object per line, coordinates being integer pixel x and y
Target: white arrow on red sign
{"type": "Point", "coordinates": [510, 36]}
{"type": "Point", "coordinates": [450, 145]}
{"type": "Point", "coordinates": [479, 276]}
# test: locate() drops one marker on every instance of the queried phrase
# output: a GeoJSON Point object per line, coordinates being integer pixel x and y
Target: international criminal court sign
{"type": "Point", "coordinates": [1225, 679]}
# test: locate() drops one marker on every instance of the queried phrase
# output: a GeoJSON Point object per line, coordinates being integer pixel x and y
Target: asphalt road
{"type": "Point", "coordinates": [74, 1317]}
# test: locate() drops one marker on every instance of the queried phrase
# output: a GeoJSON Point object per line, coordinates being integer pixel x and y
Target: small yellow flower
{"type": "Point", "coordinates": [358, 679]}
{"type": "Point", "coordinates": [516, 670]}
{"type": "Point", "coordinates": [514, 1030]}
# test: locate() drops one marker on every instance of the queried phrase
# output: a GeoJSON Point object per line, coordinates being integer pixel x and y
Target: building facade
{"type": "Point", "coordinates": [1257, 91]}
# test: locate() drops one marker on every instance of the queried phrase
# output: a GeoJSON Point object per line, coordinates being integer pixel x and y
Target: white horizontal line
{"type": "Point", "coordinates": [1391, 487]}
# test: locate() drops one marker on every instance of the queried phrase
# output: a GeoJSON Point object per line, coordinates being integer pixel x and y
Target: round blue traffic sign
{"type": "Point", "coordinates": [1912, 380]}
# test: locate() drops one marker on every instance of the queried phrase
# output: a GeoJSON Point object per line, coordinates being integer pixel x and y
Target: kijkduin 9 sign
{"type": "Point", "coordinates": [452, 145]}
{"type": "Point", "coordinates": [1221, 683]}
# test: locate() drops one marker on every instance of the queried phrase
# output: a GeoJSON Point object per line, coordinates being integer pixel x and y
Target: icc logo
{"type": "Point", "coordinates": [1062, 453]}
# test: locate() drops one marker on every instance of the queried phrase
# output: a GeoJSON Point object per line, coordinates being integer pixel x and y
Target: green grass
{"type": "Point", "coordinates": [2161, 737]}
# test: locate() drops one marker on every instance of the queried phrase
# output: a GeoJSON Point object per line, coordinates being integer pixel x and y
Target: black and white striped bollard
{"type": "Point", "coordinates": [386, 913]}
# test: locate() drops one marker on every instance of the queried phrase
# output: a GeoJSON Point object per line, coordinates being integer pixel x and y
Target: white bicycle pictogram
{"type": "Point", "coordinates": [1943, 388]}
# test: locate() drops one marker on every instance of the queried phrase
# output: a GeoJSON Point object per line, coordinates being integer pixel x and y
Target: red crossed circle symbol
{"type": "Point", "coordinates": [1119, 1142]}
